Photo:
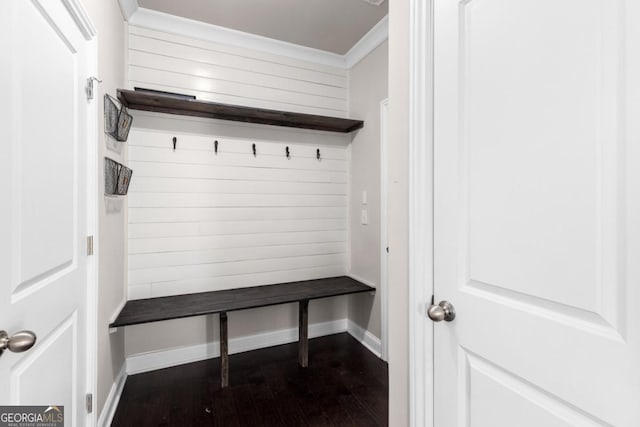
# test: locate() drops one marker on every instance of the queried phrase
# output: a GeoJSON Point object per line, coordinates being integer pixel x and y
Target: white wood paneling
{"type": "Point", "coordinates": [246, 241]}
{"type": "Point", "coordinates": [173, 170]}
{"type": "Point", "coordinates": [201, 221]}
{"type": "Point", "coordinates": [231, 214]}
{"type": "Point", "coordinates": [146, 230]}
{"type": "Point", "coordinates": [216, 269]}
{"type": "Point", "coordinates": [196, 185]}
{"type": "Point", "coordinates": [171, 258]}
{"type": "Point", "coordinates": [241, 280]}
{"type": "Point", "coordinates": [171, 46]}
{"type": "Point", "coordinates": [208, 157]}
{"type": "Point", "coordinates": [322, 87]}
{"type": "Point", "coordinates": [233, 75]}
{"type": "Point", "coordinates": [195, 142]}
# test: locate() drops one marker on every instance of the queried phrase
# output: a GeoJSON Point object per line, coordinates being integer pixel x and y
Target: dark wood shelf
{"type": "Point", "coordinates": [171, 104]}
{"type": "Point", "coordinates": [198, 304]}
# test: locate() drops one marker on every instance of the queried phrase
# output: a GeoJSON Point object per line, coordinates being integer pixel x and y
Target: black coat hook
{"type": "Point", "coordinates": [254, 150]}
{"type": "Point", "coordinates": [286, 150]}
{"type": "Point", "coordinates": [175, 141]}
{"type": "Point", "coordinates": [318, 154]}
{"type": "Point", "coordinates": [215, 146]}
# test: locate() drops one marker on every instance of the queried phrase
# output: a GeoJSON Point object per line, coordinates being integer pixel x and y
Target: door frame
{"type": "Point", "coordinates": [384, 226]}
{"type": "Point", "coordinates": [421, 361]}
{"type": "Point", "coordinates": [93, 217]}
{"type": "Point", "coordinates": [88, 30]}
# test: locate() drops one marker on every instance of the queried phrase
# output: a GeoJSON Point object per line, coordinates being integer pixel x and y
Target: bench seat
{"type": "Point", "coordinates": [179, 306]}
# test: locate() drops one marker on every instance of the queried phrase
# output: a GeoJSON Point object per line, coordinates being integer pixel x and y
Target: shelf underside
{"type": "Point", "coordinates": [169, 104]}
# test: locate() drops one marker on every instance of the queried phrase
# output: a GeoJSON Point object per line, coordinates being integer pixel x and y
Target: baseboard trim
{"type": "Point", "coordinates": [363, 280]}
{"type": "Point", "coordinates": [111, 404]}
{"type": "Point", "coordinates": [151, 361]}
{"type": "Point", "coordinates": [366, 338]}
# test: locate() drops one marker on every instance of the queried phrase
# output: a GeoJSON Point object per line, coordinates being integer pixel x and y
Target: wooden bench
{"type": "Point", "coordinates": [149, 310]}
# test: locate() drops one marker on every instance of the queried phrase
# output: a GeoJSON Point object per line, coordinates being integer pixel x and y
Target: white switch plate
{"type": "Point", "coordinates": [364, 197]}
{"type": "Point", "coordinates": [364, 217]}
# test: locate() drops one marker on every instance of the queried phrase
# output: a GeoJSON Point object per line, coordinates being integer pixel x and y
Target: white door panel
{"type": "Point", "coordinates": [35, 367]}
{"type": "Point", "coordinates": [493, 390]}
{"type": "Point", "coordinates": [531, 231]}
{"type": "Point", "coordinates": [43, 225]}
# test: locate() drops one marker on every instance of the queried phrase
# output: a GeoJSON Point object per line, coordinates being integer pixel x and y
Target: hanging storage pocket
{"type": "Point", "coordinates": [116, 178]}
{"type": "Point", "coordinates": [117, 120]}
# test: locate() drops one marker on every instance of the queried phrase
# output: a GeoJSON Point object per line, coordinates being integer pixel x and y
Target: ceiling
{"type": "Point", "coordinates": [329, 25]}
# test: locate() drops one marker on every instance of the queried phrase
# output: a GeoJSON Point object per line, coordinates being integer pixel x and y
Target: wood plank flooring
{"type": "Point", "coordinates": [344, 385]}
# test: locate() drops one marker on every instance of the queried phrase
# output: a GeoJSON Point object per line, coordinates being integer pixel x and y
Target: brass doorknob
{"type": "Point", "coordinates": [18, 342]}
{"type": "Point", "coordinates": [443, 311]}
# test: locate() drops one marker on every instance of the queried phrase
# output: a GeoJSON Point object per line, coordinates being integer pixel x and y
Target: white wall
{"type": "Point", "coordinates": [201, 221]}
{"type": "Point", "coordinates": [233, 75]}
{"type": "Point", "coordinates": [230, 74]}
{"type": "Point", "coordinates": [214, 180]}
{"type": "Point", "coordinates": [220, 73]}
{"type": "Point", "coordinates": [398, 186]}
{"type": "Point", "coordinates": [110, 27]}
{"type": "Point", "coordinates": [368, 86]}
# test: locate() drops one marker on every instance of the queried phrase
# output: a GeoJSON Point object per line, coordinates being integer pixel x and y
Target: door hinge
{"type": "Point", "coordinates": [89, 403]}
{"type": "Point", "coordinates": [89, 90]}
{"type": "Point", "coordinates": [89, 245]}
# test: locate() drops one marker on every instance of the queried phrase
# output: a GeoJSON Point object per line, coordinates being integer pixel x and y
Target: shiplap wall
{"type": "Point", "coordinates": [200, 221]}
{"type": "Point", "coordinates": [233, 75]}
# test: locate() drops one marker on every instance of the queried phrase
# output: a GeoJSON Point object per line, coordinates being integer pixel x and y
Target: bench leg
{"type": "Point", "coordinates": [303, 333]}
{"type": "Point", "coordinates": [224, 351]}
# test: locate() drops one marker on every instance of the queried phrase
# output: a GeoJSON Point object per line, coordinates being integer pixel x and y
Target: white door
{"type": "Point", "coordinates": [43, 214]}
{"type": "Point", "coordinates": [537, 212]}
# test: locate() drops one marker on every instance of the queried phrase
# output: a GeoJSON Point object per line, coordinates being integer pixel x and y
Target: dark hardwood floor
{"type": "Point", "coordinates": [344, 385]}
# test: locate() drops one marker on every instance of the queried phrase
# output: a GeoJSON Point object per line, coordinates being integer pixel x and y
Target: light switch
{"type": "Point", "coordinates": [364, 217]}
{"type": "Point", "coordinates": [364, 197]}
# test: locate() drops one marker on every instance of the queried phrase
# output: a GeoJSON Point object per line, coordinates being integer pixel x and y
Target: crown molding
{"type": "Point", "coordinates": [374, 38]}
{"type": "Point", "coordinates": [154, 20]}
{"type": "Point", "coordinates": [128, 8]}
